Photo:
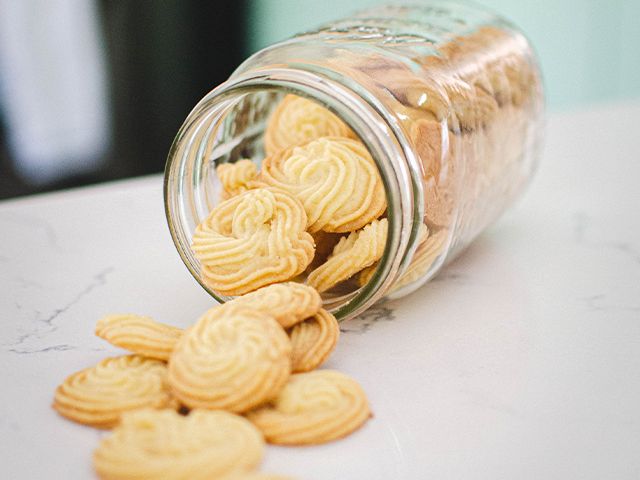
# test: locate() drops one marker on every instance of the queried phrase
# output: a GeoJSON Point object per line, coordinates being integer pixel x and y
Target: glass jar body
{"type": "Point", "coordinates": [447, 98]}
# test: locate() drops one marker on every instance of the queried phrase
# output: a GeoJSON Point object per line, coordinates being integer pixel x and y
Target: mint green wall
{"type": "Point", "coordinates": [589, 49]}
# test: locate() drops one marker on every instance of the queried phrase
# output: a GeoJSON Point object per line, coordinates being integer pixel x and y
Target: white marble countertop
{"type": "Point", "coordinates": [521, 360]}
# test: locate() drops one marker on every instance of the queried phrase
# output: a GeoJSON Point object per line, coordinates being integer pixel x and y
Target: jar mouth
{"type": "Point", "coordinates": [194, 148]}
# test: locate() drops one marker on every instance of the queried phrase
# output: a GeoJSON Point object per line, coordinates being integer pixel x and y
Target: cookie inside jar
{"type": "Point", "coordinates": [357, 158]}
{"type": "Point", "coordinates": [291, 194]}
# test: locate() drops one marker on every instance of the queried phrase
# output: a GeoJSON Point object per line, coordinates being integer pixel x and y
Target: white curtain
{"type": "Point", "coordinates": [53, 91]}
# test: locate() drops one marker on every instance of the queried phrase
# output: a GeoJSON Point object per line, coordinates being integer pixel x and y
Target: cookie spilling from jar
{"type": "Point", "coordinates": [317, 200]}
{"type": "Point", "coordinates": [314, 212]}
{"type": "Point", "coordinates": [201, 402]}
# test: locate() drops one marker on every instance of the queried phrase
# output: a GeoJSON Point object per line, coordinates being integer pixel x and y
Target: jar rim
{"type": "Point", "coordinates": [367, 117]}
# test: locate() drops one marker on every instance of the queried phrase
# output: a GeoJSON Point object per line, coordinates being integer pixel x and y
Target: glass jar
{"type": "Point", "coordinates": [447, 98]}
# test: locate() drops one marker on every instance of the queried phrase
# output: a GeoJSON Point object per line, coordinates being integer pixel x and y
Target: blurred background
{"type": "Point", "coordinates": [95, 90]}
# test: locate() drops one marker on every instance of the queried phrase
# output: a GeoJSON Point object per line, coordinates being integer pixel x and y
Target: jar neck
{"type": "Point", "coordinates": [368, 118]}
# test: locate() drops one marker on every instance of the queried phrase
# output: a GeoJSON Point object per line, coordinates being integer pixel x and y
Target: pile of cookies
{"type": "Point", "coordinates": [314, 211]}
{"type": "Point", "coordinates": [200, 402]}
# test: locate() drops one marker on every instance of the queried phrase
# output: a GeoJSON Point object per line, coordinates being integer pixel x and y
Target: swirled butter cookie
{"type": "Point", "coordinates": [162, 444]}
{"type": "Point", "coordinates": [352, 254]}
{"type": "Point", "coordinates": [236, 177]}
{"type": "Point", "coordinates": [99, 395]}
{"type": "Point", "coordinates": [253, 239]}
{"type": "Point", "coordinates": [289, 303]}
{"type": "Point", "coordinates": [296, 121]}
{"type": "Point", "coordinates": [313, 340]}
{"type": "Point", "coordinates": [234, 358]}
{"type": "Point", "coordinates": [365, 275]}
{"type": "Point", "coordinates": [314, 407]}
{"type": "Point", "coordinates": [139, 334]}
{"type": "Point", "coordinates": [336, 180]}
